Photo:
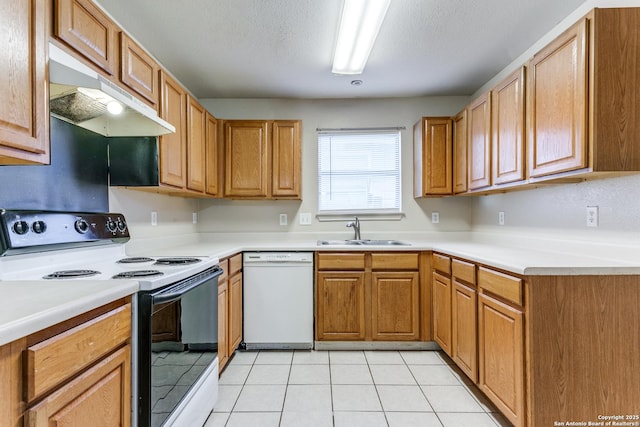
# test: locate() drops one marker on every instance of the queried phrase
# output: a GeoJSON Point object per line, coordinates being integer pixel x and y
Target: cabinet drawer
{"type": "Point", "coordinates": [235, 264]}
{"type": "Point", "coordinates": [62, 356]}
{"type": "Point", "coordinates": [395, 261]}
{"type": "Point", "coordinates": [500, 284]}
{"type": "Point", "coordinates": [340, 261]}
{"type": "Point", "coordinates": [224, 265]}
{"type": "Point", "coordinates": [441, 263]}
{"type": "Point", "coordinates": [464, 271]}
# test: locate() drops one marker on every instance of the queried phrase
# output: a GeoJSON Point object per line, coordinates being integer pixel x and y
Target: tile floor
{"type": "Point", "coordinates": [348, 389]}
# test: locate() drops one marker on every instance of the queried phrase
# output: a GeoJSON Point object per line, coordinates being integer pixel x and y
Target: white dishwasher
{"type": "Point", "coordinates": [278, 300]}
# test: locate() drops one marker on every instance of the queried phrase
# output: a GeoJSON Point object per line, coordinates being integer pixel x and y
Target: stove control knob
{"type": "Point", "coordinates": [20, 227]}
{"type": "Point", "coordinates": [81, 226]}
{"type": "Point", "coordinates": [39, 227]}
{"type": "Point", "coordinates": [111, 225]}
{"type": "Point", "coordinates": [122, 226]}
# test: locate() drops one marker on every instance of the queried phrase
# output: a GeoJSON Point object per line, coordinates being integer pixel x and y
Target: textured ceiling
{"type": "Point", "coordinates": [284, 48]}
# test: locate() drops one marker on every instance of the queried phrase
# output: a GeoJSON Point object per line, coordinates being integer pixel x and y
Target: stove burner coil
{"type": "Point", "coordinates": [71, 274]}
{"type": "Point", "coordinates": [137, 273]}
{"type": "Point", "coordinates": [133, 260]}
{"type": "Point", "coordinates": [176, 261]}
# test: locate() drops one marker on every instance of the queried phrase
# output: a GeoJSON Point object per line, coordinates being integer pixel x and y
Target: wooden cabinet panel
{"type": "Point", "coordinates": [223, 323]}
{"type": "Point", "coordinates": [340, 306]}
{"type": "Point", "coordinates": [99, 397]}
{"type": "Point", "coordinates": [441, 297]}
{"type": "Point", "coordinates": [507, 101]}
{"type": "Point", "coordinates": [214, 154]}
{"type": "Point", "coordinates": [54, 360]}
{"type": "Point", "coordinates": [460, 137]}
{"type": "Point", "coordinates": [441, 263]}
{"type": "Point", "coordinates": [464, 345]}
{"type": "Point", "coordinates": [502, 285]}
{"type": "Point", "coordinates": [394, 261]}
{"type": "Point", "coordinates": [88, 30]}
{"type": "Point", "coordinates": [138, 70]}
{"type": "Point", "coordinates": [11, 386]}
{"type": "Point", "coordinates": [340, 261]}
{"type": "Point", "coordinates": [246, 158]}
{"type": "Point", "coordinates": [286, 159]}
{"type": "Point", "coordinates": [395, 309]}
{"type": "Point", "coordinates": [464, 271]}
{"type": "Point", "coordinates": [235, 264]}
{"type": "Point", "coordinates": [479, 142]}
{"type": "Point", "coordinates": [235, 311]}
{"type": "Point", "coordinates": [501, 357]}
{"type": "Point", "coordinates": [196, 149]}
{"type": "Point", "coordinates": [24, 110]}
{"type": "Point", "coordinates": [433, 157]}
{"type": "Point", "coordinates": [558, 104]}
{"type": "Point", "coordinates": [173, 150]}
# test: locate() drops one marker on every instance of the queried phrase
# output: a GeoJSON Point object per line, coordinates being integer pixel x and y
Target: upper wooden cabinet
{"type": "Point", "coordinates": [479, 149]}
{"type": "Point", "coordinates": [173, 149]}
{"type": "Point", "coordinates": [432, 157]}
{"type": "Point", "coordinates": [89, 31]}
{"type": "Point", "coordinates": [196, 145]}
{"type": "Point", "coordinates": [138, 70]}
{"type": "Point", "coordinates": [581, 97]}
{"type": "Point", "coordinates": [24, 111]}
{"type": "Point", "coordinates": [214, 157]}
{"type": "Point", "coordinates": [460, 152]}
{"type": "Point", "coordinates": [508, 126]}
{"type": "Point", "coordinates": [256, 150]}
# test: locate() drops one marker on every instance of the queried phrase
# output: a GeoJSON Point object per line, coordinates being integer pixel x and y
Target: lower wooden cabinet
{"type": "Point", "coordinates": [441, 297]}
{"type": "Point", "coordinates": [229, 308]}
{"type": "Point", "coordinates": [74, 373]}
{"type": "Point", "coordinates": [501, 356]}
{"type": "Point", "coordinates": [368, 296]}
{"type": "Point", "coordinates": [464, 317]}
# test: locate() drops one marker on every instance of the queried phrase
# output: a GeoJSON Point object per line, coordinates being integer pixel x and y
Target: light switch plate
{"type": "Point", "coordinates": [283, 219]}
{"type": "Point", "coordinates": [154, 218]}
{"type": "Point", "coordinates": [305, 219]}
{"type": "Point", "coordinates": [500, 218]}
{"type": "Point", "coordinates": [435, 217]}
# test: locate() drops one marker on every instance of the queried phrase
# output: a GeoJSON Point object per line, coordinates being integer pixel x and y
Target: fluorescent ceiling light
{"type": "Point", "coordinates": [359, 26]}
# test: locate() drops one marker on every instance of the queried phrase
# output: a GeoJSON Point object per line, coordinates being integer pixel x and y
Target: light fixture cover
{"type": "Point", "coordinates": [359, 26]}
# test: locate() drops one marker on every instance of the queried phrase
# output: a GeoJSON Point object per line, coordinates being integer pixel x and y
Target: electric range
{"type": "Point", "coordinates": [174, 342]}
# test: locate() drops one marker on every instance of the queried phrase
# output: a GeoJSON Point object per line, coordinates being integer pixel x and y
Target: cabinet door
{"type": "Point", "coordinates": [501, 356]}
{"type": "Point", "coordinates": [223, 324]}
{"type": "Point", "coordinates": [507, 101]}
{"type": "Point", "coordinates": [99, 397]}
{"type": "Point", "coordinates": [433, 157]}
{"type": "Point", "coordinates": [464, 329]}
{"type": "Point", "coordinates": [286, 158]}
{"type": "Point", "coordinates": [246, 158]}
{"type": "Point", "coordinates": [235, 311]}
{"type": "Point", "coordinates": [24, 111]}
{"type": "Point", "coordinates": [558, 103]}
{"type": "Point", "coordinates": [84, 27]}
{"type": "Point", "coordinates": [441, 294]}
{"type": "Point", "coordinates": [213, 157]}
{"type": "Point", "coordinates": [460, 152]}
{"type": "Point", "coordinates": [340, 308]}
{"type": "Point", "coordinates": [196, 150]}
{"type": "Point", "coordinates": [173, 153]}
{"type": "Point", "coordinates": [139, 70]}
{"type": "Point", "coordinates": [479, 150]}
{"type": "Point", "coordinates": [11, 386]}
{"type": "Point", "coordinates": [395, 306]}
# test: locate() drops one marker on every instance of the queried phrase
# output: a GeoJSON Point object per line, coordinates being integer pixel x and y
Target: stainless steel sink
{"type": "Point", "coordinates": [363, 242]}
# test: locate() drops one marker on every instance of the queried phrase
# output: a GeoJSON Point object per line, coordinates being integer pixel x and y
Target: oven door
{"type": "Point", "coordinates": [177, 346]}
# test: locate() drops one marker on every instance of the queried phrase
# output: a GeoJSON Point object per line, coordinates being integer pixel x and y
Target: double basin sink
{"type": "Point", "coordinates": [362, 243]}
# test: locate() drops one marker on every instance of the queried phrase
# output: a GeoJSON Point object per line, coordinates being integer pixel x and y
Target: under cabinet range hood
{"type": "Point", "coordinates": [81, 96]}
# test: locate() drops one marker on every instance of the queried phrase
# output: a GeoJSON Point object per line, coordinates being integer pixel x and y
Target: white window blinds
{"type": "Point", "coordinates": [359, 171]}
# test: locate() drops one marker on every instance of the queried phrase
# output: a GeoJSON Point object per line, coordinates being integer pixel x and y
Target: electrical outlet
{"type": "Point", "coordinates": [194, 217]}
{"type": "Point", "coordinates": [283, 219]}
{"type": "Point", "coordinates": [435, 217]}
{"type": "Point", "coordinates": [592, 216]}
{"type": "Point", "coordinates": [305, 219]}
{"type": "Point", "coordinates": [154, 218]}
{"type": "Point", "coordinates": [500, 218]}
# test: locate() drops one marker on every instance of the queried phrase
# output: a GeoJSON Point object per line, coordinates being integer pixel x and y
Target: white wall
{"type": "Point", "coordinates": [263, 216]}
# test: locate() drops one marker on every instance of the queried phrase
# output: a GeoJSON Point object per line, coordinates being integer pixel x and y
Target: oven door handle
{"type": "Point", "coordinates": [176, 291]}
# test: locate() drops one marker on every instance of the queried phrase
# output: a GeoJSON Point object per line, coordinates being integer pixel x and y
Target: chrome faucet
{"type": "Point", "coordinates": [356, 228]}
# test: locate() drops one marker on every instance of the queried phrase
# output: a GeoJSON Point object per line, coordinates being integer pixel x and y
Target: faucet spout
{"type": "Point", "coordinates": [356, 228]}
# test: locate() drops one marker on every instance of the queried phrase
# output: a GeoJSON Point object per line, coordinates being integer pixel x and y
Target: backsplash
{"type": "Point", "coordinates": [76, 179]}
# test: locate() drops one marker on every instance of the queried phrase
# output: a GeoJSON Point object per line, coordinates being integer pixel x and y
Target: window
{"type": "Point", "coordinates": [359, 171]}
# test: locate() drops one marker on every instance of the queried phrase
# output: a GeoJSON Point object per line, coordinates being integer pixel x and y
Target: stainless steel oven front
{"type": "Point", "coordinates": [176, 352]}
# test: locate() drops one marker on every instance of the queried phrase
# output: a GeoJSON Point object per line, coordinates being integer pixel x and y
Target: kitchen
{"type": "Point", "coordinates": [549, 218]}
